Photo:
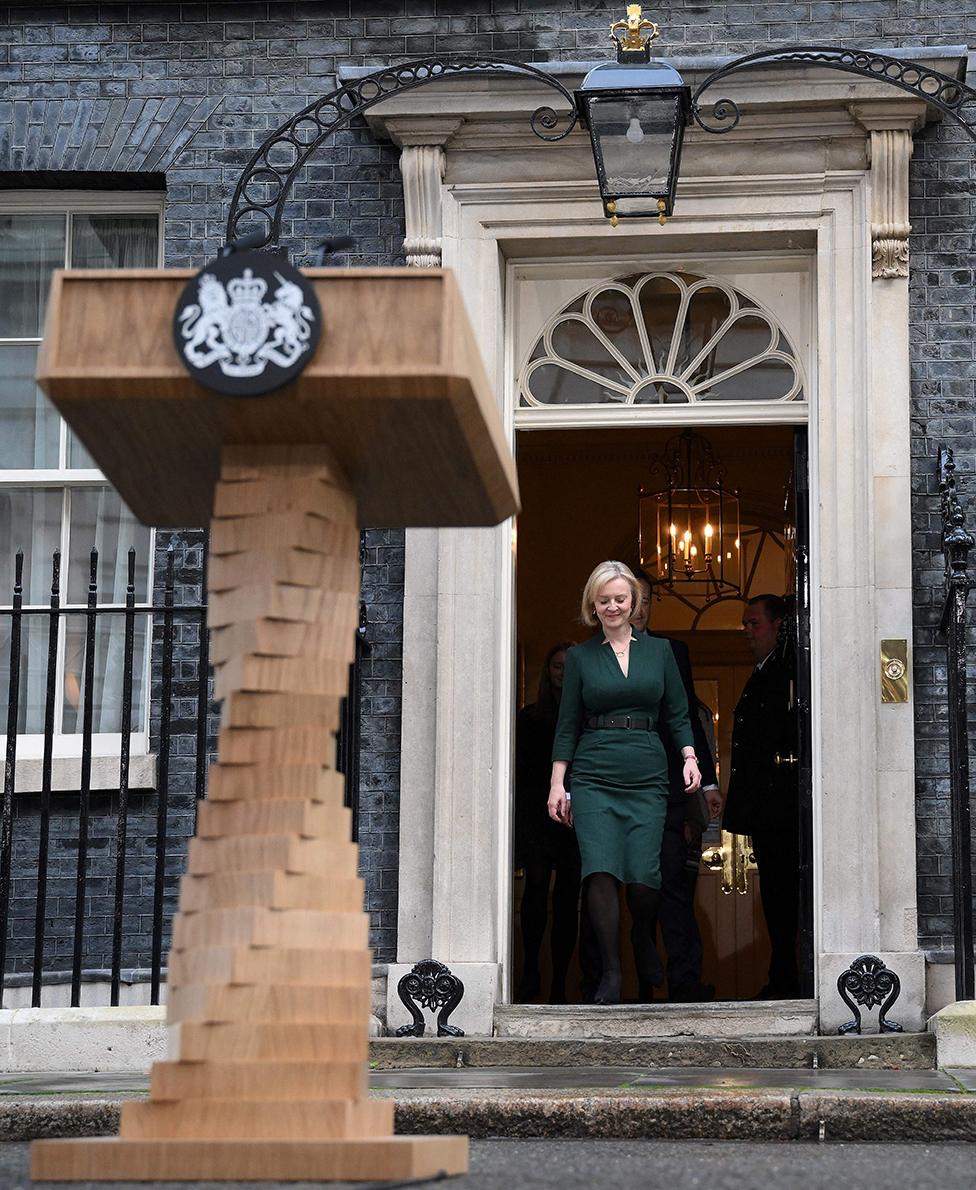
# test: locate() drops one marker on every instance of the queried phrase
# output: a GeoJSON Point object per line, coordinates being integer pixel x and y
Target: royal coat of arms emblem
{"type": "Point", "coordinates": [247, 323]}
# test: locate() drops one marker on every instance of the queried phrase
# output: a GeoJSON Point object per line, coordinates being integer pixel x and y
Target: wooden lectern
{"type": "Point", "coordinates": [392, 423]}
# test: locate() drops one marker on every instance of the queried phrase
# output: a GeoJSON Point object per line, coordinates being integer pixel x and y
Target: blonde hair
{"type": "Point", "coordinates": [604, 573]}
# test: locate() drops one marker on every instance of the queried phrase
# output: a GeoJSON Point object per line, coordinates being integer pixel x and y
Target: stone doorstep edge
{"type": "Point", "coordinates": [892, 1051]}
{"type": "Point", "coordinates": [705, 1115]}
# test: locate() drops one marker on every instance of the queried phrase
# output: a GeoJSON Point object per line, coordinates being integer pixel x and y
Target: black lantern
{"type": "Point", "coordinates": [689, 523]}
{"type": "Point", "coordinates": [636, 110]}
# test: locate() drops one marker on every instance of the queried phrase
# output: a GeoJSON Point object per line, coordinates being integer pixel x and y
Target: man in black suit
{"type": "Point", "coordinates": [763, 794]}
{"type": "Point", "coordinates": [681, 844]}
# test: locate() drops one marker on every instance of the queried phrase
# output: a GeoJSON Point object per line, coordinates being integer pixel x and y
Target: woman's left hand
{"type": "Point", "coordinates": [692, 777]}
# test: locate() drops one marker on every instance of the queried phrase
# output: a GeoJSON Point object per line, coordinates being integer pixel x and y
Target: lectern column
{"type": "Point", "coordinates": [269, 973]}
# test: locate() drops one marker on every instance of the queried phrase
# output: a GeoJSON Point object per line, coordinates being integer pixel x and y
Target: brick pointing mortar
{"type": "Point", "coordinates": [114, 65]}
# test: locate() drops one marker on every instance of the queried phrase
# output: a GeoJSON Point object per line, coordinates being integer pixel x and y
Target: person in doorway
{"type": "Point", "coordinates": [541, 846]}
{"type": "Point", "coordinates": [763, 794]}
{"type": "Point", "coordinates": [618, 687]}
{"type": "Point", "coordinates": [683, 828]}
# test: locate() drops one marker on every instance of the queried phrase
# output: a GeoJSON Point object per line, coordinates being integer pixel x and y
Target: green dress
{"type": "Point", "coordinates": [619, 778]}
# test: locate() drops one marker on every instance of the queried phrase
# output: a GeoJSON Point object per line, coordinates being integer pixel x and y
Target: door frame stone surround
{"type": "Point", "coordinates": [817, 165]}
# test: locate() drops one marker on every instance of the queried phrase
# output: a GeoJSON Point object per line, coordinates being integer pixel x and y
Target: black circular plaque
{"type": "Point", "coordinates": [247, 323]}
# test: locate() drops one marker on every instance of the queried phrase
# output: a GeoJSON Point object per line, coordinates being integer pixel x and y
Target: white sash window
{"type": "Point", "coordinates": [52, 497]}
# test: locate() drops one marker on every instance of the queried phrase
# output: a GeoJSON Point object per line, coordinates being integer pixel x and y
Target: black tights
{"type": "Point", "coordinates": [603, 904]}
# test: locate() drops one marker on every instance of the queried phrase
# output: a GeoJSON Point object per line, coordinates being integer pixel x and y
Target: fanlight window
{"type": "Point", "coordinates": [661, 339]}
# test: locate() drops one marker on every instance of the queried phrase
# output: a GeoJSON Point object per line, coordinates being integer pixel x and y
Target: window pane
{"type": "Point", "coordinates": [554, 385]}
{"type": "Point", "coordinates": [660, 301]}
{"type": "Point", "coordinates": [78, 457]}
{"type": "Point", "coordinates": [31, 697]}
{"type": "Point", "coordinates": [114, 241]}
{"type": "Point", "coordinates": [574, 341]}
{"type": "Point", "coordinates": [30, 520]}
{"type": "Point", "coordinates": [108, 656]}
{"type": "Point", "coordinates": [30, 247]}
{"type": "Point", "coordinates": [29, 423]}
{"type": "Point", "coordinates": [749, 337]}
{"type": "Point", "coordinates": [614, 315]}
{"type": "Point", "coordinates": [769, 380]}
{"type": "Point", "coordinates": [708, 309]}
{"type": "Point", "coordinates": [99, 520]}
{"type": "Point", "coordinates": [635, 140]}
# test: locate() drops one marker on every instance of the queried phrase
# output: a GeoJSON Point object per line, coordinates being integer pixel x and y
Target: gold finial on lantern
{"type": "Point", "coordinates": [635, 39]}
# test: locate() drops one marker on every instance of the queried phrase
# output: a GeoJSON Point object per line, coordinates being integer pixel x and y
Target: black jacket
{"type": "Point", "coordinates": [763, 795]}
{"type": "Point", "coordinates": [706, 762]}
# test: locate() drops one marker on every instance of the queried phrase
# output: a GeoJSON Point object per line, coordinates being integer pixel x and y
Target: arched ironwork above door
{"type": "Point", "coordinates": [662, 338]}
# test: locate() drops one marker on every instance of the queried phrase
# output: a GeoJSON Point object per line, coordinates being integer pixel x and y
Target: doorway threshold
{"type": "Point", "coordinates": [722, 1019]}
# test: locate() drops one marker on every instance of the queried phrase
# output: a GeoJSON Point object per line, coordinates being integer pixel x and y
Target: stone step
{"type": "Point", "coordinates": [889, 1051]}
{"type": "Point", "coordinates": [745, 1018]}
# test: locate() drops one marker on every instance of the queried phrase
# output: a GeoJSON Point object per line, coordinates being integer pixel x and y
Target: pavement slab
{"type": "Point", "coordinates": [580, 1102]}
{"type": "Point", "coordinates": [966, 1078]}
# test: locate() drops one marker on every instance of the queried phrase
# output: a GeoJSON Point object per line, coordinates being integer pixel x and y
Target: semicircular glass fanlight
{"type": "Point", "coordinates": [661, 339]}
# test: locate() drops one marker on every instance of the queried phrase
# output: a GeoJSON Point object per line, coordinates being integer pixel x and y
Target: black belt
{"type": "Point", "coordinates": [626, 722]}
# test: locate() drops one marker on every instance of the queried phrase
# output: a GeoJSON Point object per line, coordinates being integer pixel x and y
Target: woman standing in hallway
{"type": "Point", "coordinates": [617, 687]}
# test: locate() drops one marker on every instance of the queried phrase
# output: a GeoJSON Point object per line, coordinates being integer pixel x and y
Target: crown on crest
{"type": "Point", "coordinates": [247, 289]}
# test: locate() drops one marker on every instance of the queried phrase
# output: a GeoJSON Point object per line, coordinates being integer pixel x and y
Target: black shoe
{"type": "Point", "coordinates": [609, 990]}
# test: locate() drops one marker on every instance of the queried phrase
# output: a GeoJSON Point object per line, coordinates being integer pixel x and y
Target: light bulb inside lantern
{"type": "Point", "coordinates": [634, 133]}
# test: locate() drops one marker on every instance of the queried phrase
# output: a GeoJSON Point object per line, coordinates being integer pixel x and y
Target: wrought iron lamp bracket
{"type": "Point", "coordinates": [949, 95]}
{"type": "Point", "coordinates": [266, 181]}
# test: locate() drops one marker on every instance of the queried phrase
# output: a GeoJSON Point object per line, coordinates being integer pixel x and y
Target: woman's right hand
{"type": "Point", "coordinates": [560, 809]}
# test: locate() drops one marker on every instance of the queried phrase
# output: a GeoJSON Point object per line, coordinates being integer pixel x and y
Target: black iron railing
{"type": "Point", "coordinates": [53, 809]}
{"type": "Point", "coordinates": [956, 544]}
{"type": "Point", "coordinates": [48, 936]}
{"type": "Point", "coordinates": [350, 712]}
{"type": "Point", "coordinates": [350, 721]}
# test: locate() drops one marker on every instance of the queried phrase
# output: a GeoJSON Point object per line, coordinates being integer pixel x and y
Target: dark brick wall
{"type": "Point", "coordinates": [100, 890]}
{"type": "Point", "coordinates": [943, 411]}
{"type": "Point", "coordinates": [379, 763]}
{"type": "Point", "coordinates": [265, 60]}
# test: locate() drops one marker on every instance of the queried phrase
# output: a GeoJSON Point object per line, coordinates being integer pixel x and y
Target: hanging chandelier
{"type": "Point", "coordinates": [689, 523]}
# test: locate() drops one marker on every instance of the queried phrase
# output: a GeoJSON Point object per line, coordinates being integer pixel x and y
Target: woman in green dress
{"type": "Point", "coordinates": [619, 687]}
